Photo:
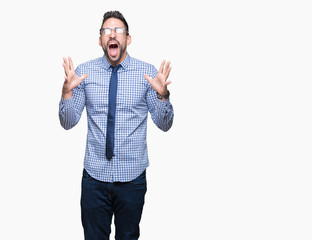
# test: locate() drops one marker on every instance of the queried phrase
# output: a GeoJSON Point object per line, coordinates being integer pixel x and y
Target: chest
{"type": "Point", "coordinates": [131, 91]}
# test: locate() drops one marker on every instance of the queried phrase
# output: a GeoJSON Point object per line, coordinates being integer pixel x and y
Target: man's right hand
{"type": "Point", "coordinates": [71, 78]}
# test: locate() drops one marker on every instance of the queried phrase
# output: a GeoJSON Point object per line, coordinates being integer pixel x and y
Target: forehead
{"type": "Point", "coordinates": [113, 22]}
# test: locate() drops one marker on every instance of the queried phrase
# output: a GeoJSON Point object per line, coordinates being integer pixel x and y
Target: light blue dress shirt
{"type": "Point", "coordinates": [135, 98]}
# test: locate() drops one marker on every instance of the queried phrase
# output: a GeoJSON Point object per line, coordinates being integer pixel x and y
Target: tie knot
{"type": "Point", "coordinates": [115, 68]}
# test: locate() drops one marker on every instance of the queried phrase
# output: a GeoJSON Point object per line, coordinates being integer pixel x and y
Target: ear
{"type": "Point", "coordinates": [100, 42]}
{"type": "Point", "coordinates": [128, 40]}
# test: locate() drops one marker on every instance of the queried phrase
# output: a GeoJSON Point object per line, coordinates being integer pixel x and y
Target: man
{"type": "Point", "coordinates": [118, 91]}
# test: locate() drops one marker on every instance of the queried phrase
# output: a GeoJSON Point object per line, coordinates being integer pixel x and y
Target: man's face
{"type": "Point", "coordinates": [114, 44]}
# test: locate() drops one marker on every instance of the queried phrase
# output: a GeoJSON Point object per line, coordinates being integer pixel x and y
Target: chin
{"type": "Point", "coordinates": [113, 59]}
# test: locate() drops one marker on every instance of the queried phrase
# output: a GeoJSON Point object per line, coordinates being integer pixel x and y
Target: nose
{"type": "Point", "coordinates": [113, 33]}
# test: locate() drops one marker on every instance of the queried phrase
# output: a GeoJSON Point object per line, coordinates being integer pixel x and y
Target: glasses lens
{"type": "Point", "coordinates": [119, 30]}
{"type": "Point", "coordinates": [107, 31]}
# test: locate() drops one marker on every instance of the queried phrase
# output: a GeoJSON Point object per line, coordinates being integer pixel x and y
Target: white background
{"type": "Point", "coordinates": [236, 163]}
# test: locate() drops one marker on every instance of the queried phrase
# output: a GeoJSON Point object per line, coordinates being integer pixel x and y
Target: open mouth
{"type": "Point", "coordinates": [113, 48]}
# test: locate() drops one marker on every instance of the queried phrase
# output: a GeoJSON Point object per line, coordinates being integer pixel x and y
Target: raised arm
{"type": "Point", "coordinates": [159, 106]}
{"type": "Point", "coordinates": [73, 97]}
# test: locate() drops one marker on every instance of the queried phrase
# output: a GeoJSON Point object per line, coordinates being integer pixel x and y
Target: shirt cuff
{"type": "Point", "coordinates": [66, 103]}
{"type": "Point", "coordinates": [164, 107]}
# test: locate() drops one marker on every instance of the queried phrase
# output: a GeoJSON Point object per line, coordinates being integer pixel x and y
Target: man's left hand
{"type": "Point", "coordinates": [160, 83]}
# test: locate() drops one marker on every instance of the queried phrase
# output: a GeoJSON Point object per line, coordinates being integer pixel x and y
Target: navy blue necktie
{"type": "Point", "coordinates": [110, 131]}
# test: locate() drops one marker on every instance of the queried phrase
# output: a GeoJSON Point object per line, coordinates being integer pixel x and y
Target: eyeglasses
{"type": "Point", "coordinates": [108, 31]}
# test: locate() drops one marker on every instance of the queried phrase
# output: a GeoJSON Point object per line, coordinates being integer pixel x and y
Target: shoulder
{"type": "Point", "coordinates": [92, 68]}
{"type": "Point", "coordinates": [91, 64]}
{"type": "Point", "coordinates": [136, 64]}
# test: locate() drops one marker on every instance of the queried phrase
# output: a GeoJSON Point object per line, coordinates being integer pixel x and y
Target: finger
{"type": "Point", "coordinates": [161, 69]}
{"type": "Point", "coordinates": [65, 69]}
{"type": "Point", "coordinates": [71, 65]}
{"type": "Point", "coordinates": [167, 73]}
{"type": "Point", "coordinates": [167, 65]}
{"type": "Point", "coordinates": [65, 66]}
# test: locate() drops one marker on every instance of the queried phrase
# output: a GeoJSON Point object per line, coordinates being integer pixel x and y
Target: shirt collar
{"type": "Point", "coordinates": [125, 63]}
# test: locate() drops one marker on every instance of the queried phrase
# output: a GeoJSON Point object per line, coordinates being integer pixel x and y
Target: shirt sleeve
{"type": "Point", "coordinates": [70, 110]}
{"type": "Point", "coordinates": [161, 111]}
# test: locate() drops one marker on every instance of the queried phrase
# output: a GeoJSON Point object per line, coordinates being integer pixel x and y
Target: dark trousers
{"type": "Point", "coordinates": [101, 200]}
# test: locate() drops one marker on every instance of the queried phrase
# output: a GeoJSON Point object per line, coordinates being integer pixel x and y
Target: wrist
{"type": "Point", "coordinates": [163, 96]}
{"type": "Point", "coordinates": [67, 95]}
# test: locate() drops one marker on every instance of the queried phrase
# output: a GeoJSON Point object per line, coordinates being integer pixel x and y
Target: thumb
{"type": "Point", "coordinates": [83, 77]}
{"type": "Point", "coordinates": [167, 83]}
{"type": "Point", "coordinates": [148, 78]}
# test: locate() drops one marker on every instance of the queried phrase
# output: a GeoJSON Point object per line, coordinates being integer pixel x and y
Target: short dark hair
{"type": "Point", "coordinates": [118, 15]}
